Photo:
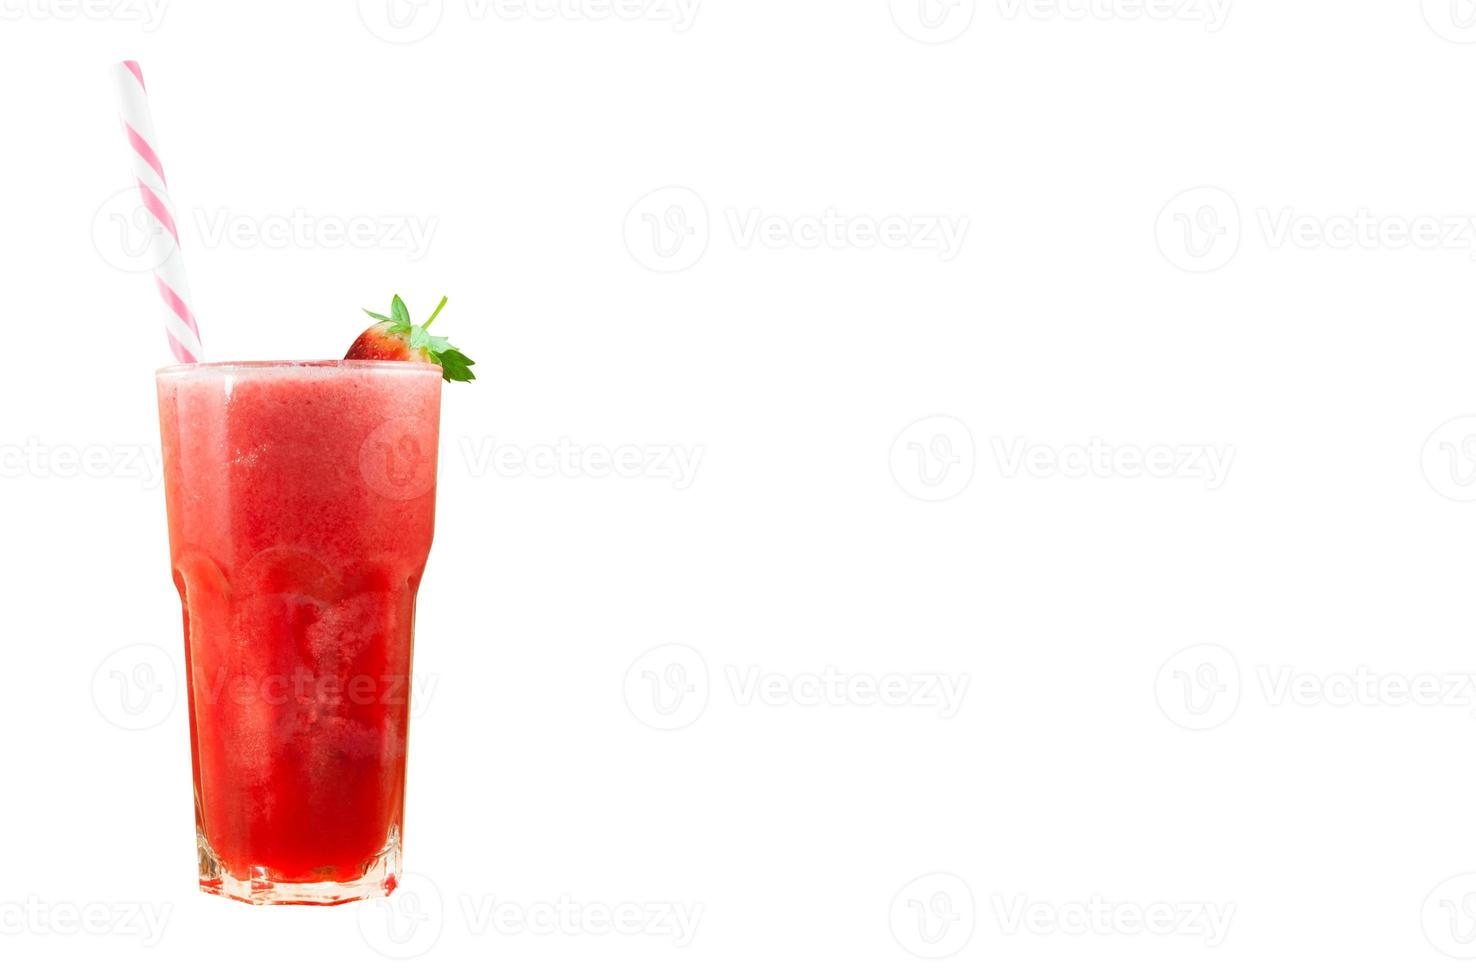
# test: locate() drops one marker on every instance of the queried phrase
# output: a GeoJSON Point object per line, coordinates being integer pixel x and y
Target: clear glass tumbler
{"type": "Point", "coordinates": [301, 500]}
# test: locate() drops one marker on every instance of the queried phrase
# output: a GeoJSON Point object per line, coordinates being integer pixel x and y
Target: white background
{"type": "Point", "coordinates": [1292, 314]}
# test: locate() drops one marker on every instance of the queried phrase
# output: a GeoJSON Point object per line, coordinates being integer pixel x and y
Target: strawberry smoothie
{"type": "Point", "coordinates": [301, 499]}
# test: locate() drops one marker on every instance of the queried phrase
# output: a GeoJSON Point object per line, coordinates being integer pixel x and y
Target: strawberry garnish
{"type": "Point", "coordinates": [395, 338]}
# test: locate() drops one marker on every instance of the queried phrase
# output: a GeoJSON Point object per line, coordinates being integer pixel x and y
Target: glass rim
{"type": "Point", "coordinates": [355, 365]}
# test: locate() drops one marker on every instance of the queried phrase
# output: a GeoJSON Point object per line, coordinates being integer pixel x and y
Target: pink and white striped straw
{"type": "Point", "coordinates": [148, 171]}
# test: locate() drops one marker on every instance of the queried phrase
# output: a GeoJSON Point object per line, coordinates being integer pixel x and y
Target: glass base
{"type": "Point", "coordinates": [379, 879]}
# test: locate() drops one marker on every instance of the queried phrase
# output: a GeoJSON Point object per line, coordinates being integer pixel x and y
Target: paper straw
{"type": "Point", "coordinates": [148, 171]}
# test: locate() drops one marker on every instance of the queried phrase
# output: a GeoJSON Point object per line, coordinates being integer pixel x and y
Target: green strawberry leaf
{"type": "Point", "coordinates": [455, 366]}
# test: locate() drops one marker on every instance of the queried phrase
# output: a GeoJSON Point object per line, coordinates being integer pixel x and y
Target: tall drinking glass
{"type": "Point", "coordinates": [301, 500]}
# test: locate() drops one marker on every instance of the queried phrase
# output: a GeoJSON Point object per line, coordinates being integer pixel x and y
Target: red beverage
{"type": "Point", "coordinates": [301, 504]}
